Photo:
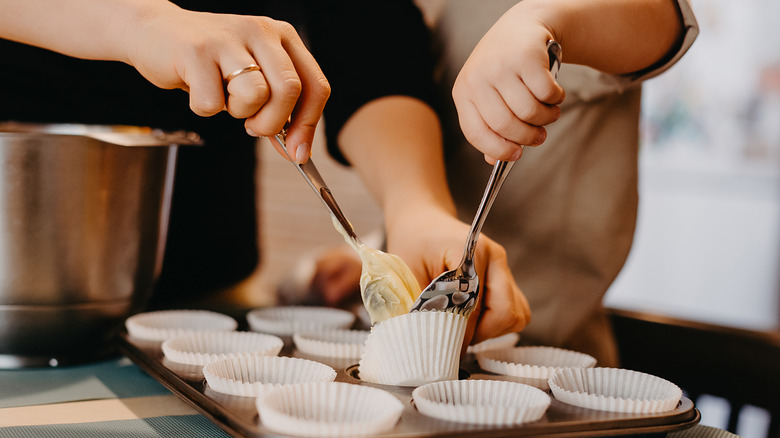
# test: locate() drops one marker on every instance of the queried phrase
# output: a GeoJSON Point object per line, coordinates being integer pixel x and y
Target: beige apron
{"type": "Point", "coordinates": [566, 213]}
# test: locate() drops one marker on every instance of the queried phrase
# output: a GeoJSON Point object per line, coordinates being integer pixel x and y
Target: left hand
{"type": "Point", "coordinates": [432, 242]}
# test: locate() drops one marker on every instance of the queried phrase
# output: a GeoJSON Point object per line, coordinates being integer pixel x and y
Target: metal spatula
{"type": "Point", "coordinates": [313, 177]}
{"type": "Point", "coordinates": [457, 290]}
{"type": "Point", "coordinates": [387, 285]}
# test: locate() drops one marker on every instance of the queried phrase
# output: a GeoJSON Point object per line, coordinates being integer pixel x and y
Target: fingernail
{"type": "Point", "coordinates": [303, 153]}
{"type": "Point", "coordinates": [541, 137]}
{"type": "Point", "coordinates": [516, 155]}
{"type": "Point", "coordinates": [250, 132]}
{"type": "Point", "coordinates": [563, 97]}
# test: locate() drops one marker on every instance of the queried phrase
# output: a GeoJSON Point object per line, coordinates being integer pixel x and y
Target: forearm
{"type": "Point", "coordinates": [615, 36]}
{"type": "Point", "coordinates": [395, 144]}
{"type": "Point", "coordinates": [80, 28]}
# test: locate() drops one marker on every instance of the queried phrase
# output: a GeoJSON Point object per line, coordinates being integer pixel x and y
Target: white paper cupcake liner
{"type": "Point", "coordinates": [333, 409]}
{"type": "Point", "coordinates": [289, 320]}
{"type": "Point", "coordinates": [615, 390]}
{"type": "Point", "coordinates": [486, 402]}
{"type": "Point", "coordinates": [339, 343]}
{"type": "Point", "coordinates": [200, 348]}
{"type": "Point", "coordinates": [252, 376]}
{"type": "Point", "coordinates": [508, 340]}
{"type": "Point", "coordinates": [532, 362]}
{"type": "Point", "coordinates": [536, 383]}
{"type": "Point", "coordinates": [164, 324]}
{"type": "Point", "coordinates": [414, 349]}
{"type": "Point", "coordinates": [333, 362]}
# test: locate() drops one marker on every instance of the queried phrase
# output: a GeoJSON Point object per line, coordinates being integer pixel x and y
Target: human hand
{"type": "Point", "coordinates": [196, 51]}
{"type": "Point", "coordinates": [328, 278]}
{"type": "Point", "coordinates": [431, 242]}
{"type": "Point", "coordinates": [336, 279]}
{"type": "Point", "coordinates": [505, 92]}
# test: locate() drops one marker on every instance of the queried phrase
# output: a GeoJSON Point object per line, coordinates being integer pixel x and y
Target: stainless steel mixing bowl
{"type": "Point", "coordinates": [83, 220]}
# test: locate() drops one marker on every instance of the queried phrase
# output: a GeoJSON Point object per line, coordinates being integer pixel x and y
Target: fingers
{"type": "Point", "coordinates": [298, 92]}
{"type": "Point", "coordinates": [504, 309]}
{"type": "Point", "coordinates": [283, 81]}
{"type": "Point", "coordinates": [504, 107]}
{"type": "Point", "coordinates": [471, 327]}
{"type": "Point", "coordinates": [483, 137]}
{"type": "Point", "coordinates": [206, 95]}
{"type": "Point", "coordinates": [285, 88]}
{"type": "Point", "coordinates": [288, 86]}
{"type": "Point", "coordinates": [247, 91]}
{"type": "Point", "coordinates": [500, 121]}
{"type": "Point", "coordinates": [501, 315]}
{"type": "Point", "coordinates": [315, 92]}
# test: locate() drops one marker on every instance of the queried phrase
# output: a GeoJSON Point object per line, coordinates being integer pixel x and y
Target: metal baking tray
{"type": "Point", "coordinates": [238, 415]}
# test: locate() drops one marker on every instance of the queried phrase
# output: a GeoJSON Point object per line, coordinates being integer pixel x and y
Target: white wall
{"type": "Point", "coordinates": [707, 245]}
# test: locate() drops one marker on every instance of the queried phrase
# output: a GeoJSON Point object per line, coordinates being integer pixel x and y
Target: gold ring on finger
{"type": "Point", "coordinates": [239, 72]}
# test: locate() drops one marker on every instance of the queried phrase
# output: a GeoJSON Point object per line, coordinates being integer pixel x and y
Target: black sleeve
{"type": "Point", "coordinates": [367, 50]}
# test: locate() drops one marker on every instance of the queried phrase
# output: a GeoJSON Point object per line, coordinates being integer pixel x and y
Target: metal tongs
{"type": "Point", "coordinates": [313, 177]}
{"type": "Point", "coordinates": [457, 290]}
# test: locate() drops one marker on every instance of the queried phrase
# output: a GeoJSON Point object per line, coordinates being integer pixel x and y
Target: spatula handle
{"type": "Point", "coordinates": [313, 177]}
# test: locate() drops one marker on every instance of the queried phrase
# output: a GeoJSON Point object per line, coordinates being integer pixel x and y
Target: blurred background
{"type": "Point", "coordinates": [707, 244]}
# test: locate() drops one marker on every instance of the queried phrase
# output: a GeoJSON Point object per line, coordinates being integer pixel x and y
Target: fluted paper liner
{"type": "Point", "coordinates": [200, 348]}
{"type": "Point", "coordinates": [536, 362]}
{"type": "Point", "coordinates": [338, 343]}
{"type": "Point", "coordinates": [164, 324]}
{"type": "Point", "coordinates": [252, 376]}
{"type": "Point", "coordinates": [486, 402]}
{"type": "Point", "coordinates": [615, 390]}
{"type": "Point", "coordinates": [289, 320]}
{"type": "Point", "coordinates": [536, 383]}
{"type": "Point", "coordinates": [413, 349]}
{"type": "Point", "coordinates": [335, 409]}
{"type": "Point", "coordinates": [508, 340]}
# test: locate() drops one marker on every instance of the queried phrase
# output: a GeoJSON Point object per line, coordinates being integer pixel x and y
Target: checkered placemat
{"type": "Point", "coordinates": [106, 399]}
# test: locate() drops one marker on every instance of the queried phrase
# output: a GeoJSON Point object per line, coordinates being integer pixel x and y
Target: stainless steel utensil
{"type": "Point", "coordinates": [313, 177]}
{"type": "Point", "coordinates": [387, 285]}
{"type": "Point", "coordinates": [457, 290]}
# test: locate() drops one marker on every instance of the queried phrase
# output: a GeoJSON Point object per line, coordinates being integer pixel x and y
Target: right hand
{"type": "Point", "coordinates": [505, 93]}
{"type": "Point", "coordinates": [431, 242]}
{"type": "Point", "coordinates": [196, 51]}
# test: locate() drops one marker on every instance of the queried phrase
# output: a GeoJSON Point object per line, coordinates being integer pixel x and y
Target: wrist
{"type": "Point", "coordinates": [549, 16]}
{"type": "Point", "coordinates": [143, 17]}
{"type": "Point", "coordinates": [417, 214]}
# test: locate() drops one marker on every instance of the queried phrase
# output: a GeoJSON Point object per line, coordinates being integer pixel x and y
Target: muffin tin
{"type": "Point", "coordinates": [238, 416]}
